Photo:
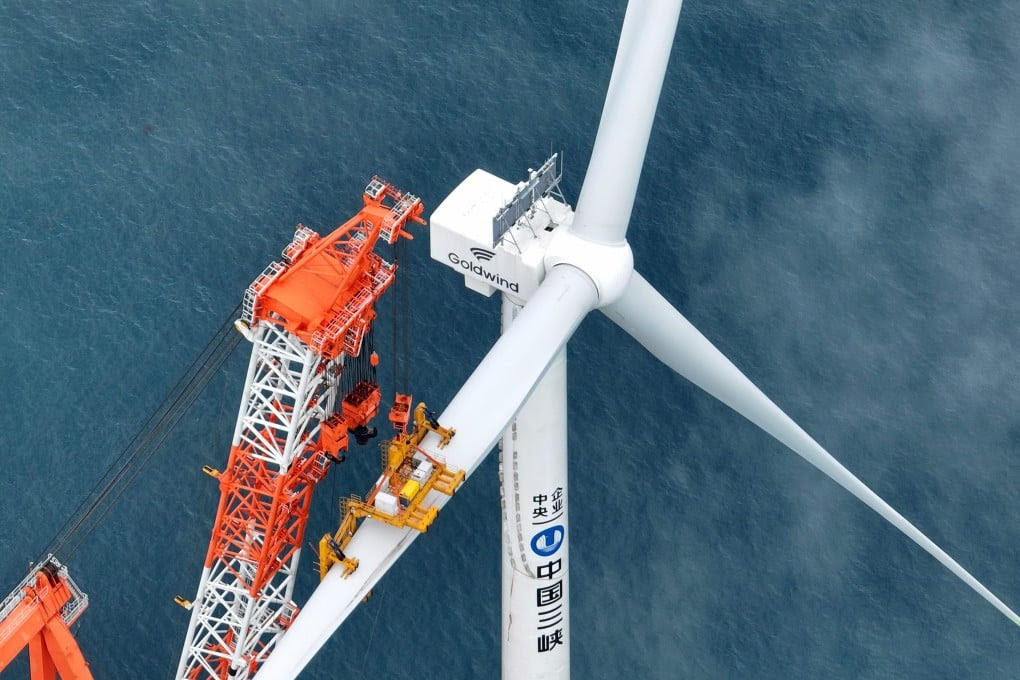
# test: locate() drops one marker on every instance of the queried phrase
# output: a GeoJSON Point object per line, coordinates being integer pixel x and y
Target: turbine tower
{"type": "Point", "coordinates": [570, 265]}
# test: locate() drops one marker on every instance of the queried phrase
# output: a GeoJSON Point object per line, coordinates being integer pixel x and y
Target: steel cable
{"type": "Point", "coordinates": [148, 439]}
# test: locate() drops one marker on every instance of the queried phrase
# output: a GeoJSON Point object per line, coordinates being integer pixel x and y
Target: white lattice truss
{"type": "Point", "coordinates": [287, 393]}
{"type": "Point", "coordinates": [285, 396]}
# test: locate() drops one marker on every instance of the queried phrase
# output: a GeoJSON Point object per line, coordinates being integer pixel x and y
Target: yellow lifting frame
{"type": "Point", "coordinates": [414, 515]}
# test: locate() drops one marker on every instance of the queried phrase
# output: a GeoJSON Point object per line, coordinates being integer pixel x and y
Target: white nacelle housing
{"type": "Point", "coordinates": [461, 236]}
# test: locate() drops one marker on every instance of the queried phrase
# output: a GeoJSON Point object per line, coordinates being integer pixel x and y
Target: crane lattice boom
{"type": "Point", "coordinates": [308, 383]}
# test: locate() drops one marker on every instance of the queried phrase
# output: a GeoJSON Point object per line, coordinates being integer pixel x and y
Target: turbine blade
{"type": "Point", "coordinates": [479, 412]}
{"type": "Point", "coordinates": [607, 195]}
{"type": "Point", "coordinates": [660, 328]}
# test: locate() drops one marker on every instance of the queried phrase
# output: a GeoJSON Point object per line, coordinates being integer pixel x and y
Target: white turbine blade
{"type": "Point", "coordinates": [479, 412]}
{"type": "Point", "coordinates": [653, 322]}
{"type": "Point", "coordinates": [607, 195]}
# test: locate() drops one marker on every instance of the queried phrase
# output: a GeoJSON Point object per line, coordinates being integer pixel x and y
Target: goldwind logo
{"type": "Point", "coordinates": [480, 271]}
{"type": "Point", "coordinates": [482, 255]}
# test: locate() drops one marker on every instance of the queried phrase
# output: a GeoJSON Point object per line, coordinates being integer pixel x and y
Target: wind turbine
{"type": "Point", "coordinates": [587, 265]}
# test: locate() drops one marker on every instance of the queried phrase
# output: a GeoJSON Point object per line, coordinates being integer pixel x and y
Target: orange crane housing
{"type": "Point", "coordinates": [38, 615]}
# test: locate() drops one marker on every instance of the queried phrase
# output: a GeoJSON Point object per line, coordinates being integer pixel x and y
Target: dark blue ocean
{"type": "Point", "coordinates": [830, 195]}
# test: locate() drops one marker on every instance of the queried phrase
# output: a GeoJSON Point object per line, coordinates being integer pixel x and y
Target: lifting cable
{"type": "Point", "coordinates": [395, 360]}
{"type": "Point", "coordinates": [400, 322]}
{"type": "Point", "coordinates": [405, 296]}
{"type": "Point", "coordinates": [147, 440]}
{"type": "Point", "coordinates": [393, 306]}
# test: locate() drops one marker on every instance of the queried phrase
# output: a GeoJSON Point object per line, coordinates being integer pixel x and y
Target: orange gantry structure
{"type": "Point", "coordinates": [38, 615]}
{"type": "Point", "coordinates": [311, 380]}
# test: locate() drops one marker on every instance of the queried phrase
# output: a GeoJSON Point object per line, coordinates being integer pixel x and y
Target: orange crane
{"type": "Point", "coordinates": [311, 380]}
{"type": "Point", "coordinates": [38, 615]}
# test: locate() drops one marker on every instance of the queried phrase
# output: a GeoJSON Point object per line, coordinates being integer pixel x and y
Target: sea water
{"type": "Point", "coordinates": [829, 195]}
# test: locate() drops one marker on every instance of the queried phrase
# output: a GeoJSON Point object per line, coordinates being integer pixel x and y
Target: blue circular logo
{"type": "Point", "coordinates": [548, 541]}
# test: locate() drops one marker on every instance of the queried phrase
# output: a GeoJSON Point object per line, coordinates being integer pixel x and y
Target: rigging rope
{"type": "Point", "coordinates": [371, 635]}
{"type": "Point", "coordinates": [405, 295]}
{"type": "Point", "coordinates": [146, 441]}
{"type": "Point", "coordinates": [401, 323]}
{"type": "Point", "coordinates": [393, 305]}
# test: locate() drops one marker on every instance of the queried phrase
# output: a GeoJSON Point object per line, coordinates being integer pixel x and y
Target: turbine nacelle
{"type": "Point", "coordinates": [497, 233]}
{"type": "Point", "coordinates": [507, 237]}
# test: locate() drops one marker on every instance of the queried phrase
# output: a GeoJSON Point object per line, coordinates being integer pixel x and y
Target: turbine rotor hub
{"type": "Point", "coordinates": [608, 265]}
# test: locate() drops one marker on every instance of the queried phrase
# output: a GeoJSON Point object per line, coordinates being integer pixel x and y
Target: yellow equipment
{"type": "Point", "coordinates": [409, 474]}
{"type": "Point", "coordinates": [424, 422]}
